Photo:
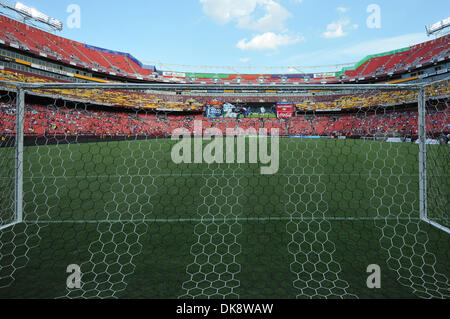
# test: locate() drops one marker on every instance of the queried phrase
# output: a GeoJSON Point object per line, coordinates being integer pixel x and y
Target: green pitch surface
{"type": "Point", "coordinates": [141, 226]}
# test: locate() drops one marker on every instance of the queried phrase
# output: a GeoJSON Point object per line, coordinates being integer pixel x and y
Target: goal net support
{"type": "Point", "coordinates": [133, 189]}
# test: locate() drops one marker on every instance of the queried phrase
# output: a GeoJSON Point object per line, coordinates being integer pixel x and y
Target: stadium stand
{"type": "Point", "coordinates": [143, 119]}
{"type": "Point", "coordinates": [47, 45]}
{"type": "Point", "coordinates": [195, 102]}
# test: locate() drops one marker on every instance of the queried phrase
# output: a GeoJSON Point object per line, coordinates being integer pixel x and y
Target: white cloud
{"type": "Point", "coordinates": [340, 28]}
{"type": "Point", "coordinates": [243, 13]}
{"type": "Point", "coordinates": [244, 60]}
{"type": "Point", "coordinates": [336, 29]}
{"type": "Point", "coordinates": [268, 41]}
{"type": "Point", "coordinates": [224, 11]}
{"type": "Point", "coordinates": [273, 19]}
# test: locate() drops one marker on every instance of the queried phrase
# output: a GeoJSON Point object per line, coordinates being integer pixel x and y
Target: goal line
{"type": "Point", "coordinates": [215, 175]}
{"type": "Point", "coordinates": [212, 220]}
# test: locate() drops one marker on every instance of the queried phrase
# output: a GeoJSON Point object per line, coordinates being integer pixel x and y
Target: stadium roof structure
{"type": "Point", "coordinates": [242, 69]}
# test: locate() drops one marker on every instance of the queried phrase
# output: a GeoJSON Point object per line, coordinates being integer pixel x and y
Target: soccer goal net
{"type": "Point", "coordinates": [153, 191]}
{"type": "Point", "coordinates": [435, 158]}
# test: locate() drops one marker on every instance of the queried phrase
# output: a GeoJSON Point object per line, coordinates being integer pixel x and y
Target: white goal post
{"type": "Point", "coordinates": [425, 155]}
{"type": "Point", "coordinates": [17, 217]}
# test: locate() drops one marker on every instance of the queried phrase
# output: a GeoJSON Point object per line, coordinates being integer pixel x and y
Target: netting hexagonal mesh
{"type": "Point", "coordinates": [101, 190]}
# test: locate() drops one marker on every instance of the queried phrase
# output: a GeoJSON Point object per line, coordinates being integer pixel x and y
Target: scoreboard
{"type": "Point", "coordinates": [214, 109]}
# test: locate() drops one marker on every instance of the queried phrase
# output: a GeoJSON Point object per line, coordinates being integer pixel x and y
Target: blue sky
{"type": "Point", "coordinates": [242, 33]}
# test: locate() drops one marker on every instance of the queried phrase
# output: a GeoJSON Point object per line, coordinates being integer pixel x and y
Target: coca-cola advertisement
{"type": "Point", "coordinates": [285, 110]}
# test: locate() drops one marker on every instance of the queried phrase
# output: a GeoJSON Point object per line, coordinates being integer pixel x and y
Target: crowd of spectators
{"type": "Point", "coordinates": [62, 121]}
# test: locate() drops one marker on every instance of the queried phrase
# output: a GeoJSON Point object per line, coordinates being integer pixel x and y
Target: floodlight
{"type": "Point", "coordinates": [36, 15]}
{"type": "Point", "coordinates": [438, 26]}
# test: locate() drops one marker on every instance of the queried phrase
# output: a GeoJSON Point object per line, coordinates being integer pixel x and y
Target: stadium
{"type": "Point", "coordinates": [93, 204]}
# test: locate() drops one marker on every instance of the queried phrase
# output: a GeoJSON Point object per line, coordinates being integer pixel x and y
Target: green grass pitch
{"type": "Point", "coordinates": [141, 226]}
